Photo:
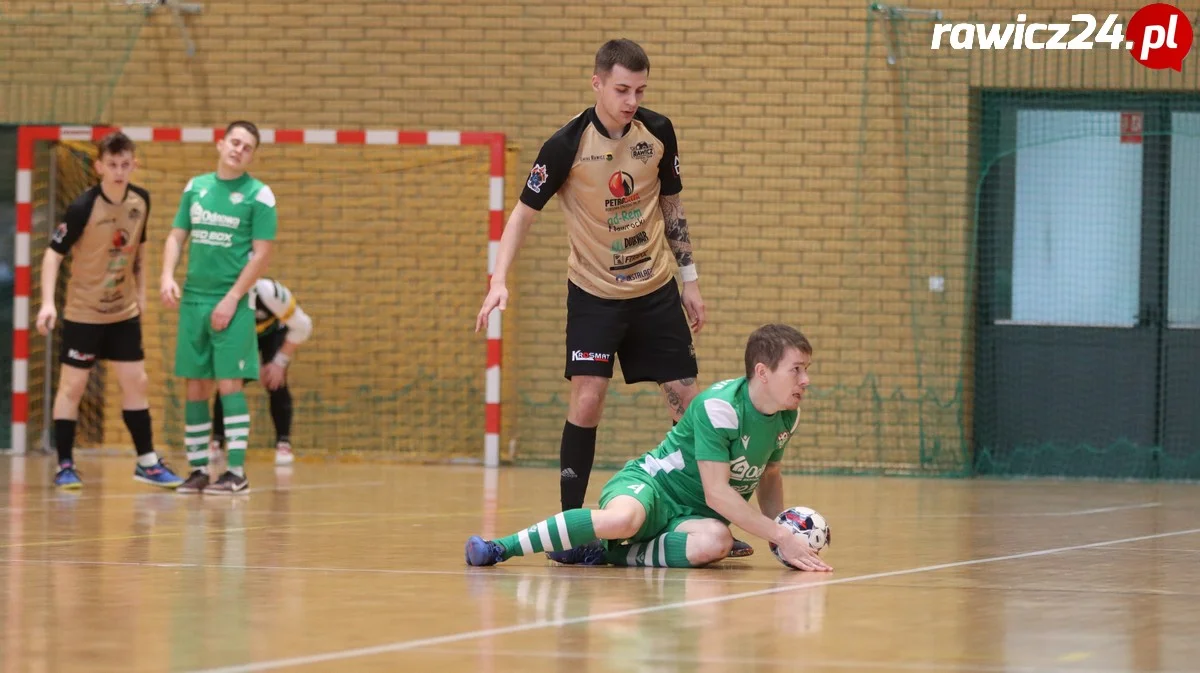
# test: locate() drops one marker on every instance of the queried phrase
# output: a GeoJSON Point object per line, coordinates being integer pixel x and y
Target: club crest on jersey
{"type": "Point", "coordinates": [134, 214]}
{"type": "Point", "coordinates": [642, 151]}
{"type": "Point", "coordinates": [236, 198]}
{"type": "Point", "coordinates": [537, 178]}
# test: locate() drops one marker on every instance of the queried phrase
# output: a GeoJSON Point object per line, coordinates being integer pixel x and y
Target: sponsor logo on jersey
{"type": "Point", "coordinates": [625, 220]}
{"type": "Point", "coordinates": [622, 262]}
{"type": "Point", "coordinates": [631, 277]}
{"type": "Point", "coordinates": [782, 439]}
{"type": "Point", "coordinates": [608, 156]}
{"type": "Point", "coordinates": [621, 186]}
{"type": "Point", "coordinates": [120, 239]}
{"type": "Point", "coordinates": [642, 151]}
{"type": "Point", "coordinates": [111, 296]}
{"type": "Point", "coordinates": [60, 233]}
{"type": "Point", "coordinates": [201, 216]}
{"type": "Point", "coordinates": [537, 178]}
{"type": "Point", "coordinates": [630, 241]}
{"type": "Point", "coordinates": [588, 356]}
{"type": "Point", "coordinates": [741, 470]}
{"type": "Point", "coordinates": [221, 239]}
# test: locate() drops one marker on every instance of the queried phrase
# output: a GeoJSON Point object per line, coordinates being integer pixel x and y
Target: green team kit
{"type": "Point", "coordinates": [223, 218]}
{"type": "Point", "coordinates": [722, 425]}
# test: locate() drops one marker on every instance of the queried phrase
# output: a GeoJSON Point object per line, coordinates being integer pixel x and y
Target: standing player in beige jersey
{"type": "Point", "coordinates": [104, 230]}
{"type": "Point", "coordinates": [615, 169]}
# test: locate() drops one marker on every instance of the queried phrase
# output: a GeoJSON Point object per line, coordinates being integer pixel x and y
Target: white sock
{"type": "Point", "coordinates": [239, 471]}
{"type": "Point", "coordinates": [148, 460]}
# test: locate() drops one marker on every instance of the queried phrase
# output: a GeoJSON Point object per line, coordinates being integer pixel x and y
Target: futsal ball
{"type": "Point", "coordinates": [805, 522]}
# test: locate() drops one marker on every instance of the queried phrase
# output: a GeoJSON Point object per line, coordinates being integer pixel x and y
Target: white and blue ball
{"type": "Point", "coordinates": [807, 523]}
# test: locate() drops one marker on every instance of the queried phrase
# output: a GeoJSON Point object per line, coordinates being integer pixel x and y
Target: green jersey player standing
{"type": "Point", "coordinates": [229, 218]}
{"type": "Point", "coordinates": [672, 506]}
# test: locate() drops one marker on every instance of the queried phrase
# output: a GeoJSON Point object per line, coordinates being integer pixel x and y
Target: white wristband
{"type": "Point", "coordinates": [281, 360]}
{"type": "Point", "coordinates": [688, 273]}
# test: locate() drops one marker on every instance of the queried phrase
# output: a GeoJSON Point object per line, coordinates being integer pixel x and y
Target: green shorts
{"type": "Point", "coordinates": [663, 515]}
{"type": "Point", "coordinates": [202, 353]}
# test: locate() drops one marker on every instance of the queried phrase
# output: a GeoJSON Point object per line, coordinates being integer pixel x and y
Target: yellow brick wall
{"type": "Point", "coordinates": [799, 203]}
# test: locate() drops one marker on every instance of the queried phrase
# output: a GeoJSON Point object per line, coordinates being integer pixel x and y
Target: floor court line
{"type": "Point", "coordinates": [403, 645]}
{"type": "Point", "coordinates": [55, 497]}
{"type": "Point", "coordinates": [1007, 515]}
{"type": "Point", "coordinates": [1041, 589]}
{"type": "Point", "coordinates": [608, 575]}
{"type": "Point", "coordinates": [795, 663]}
{"type": "Point", "coordinates": [1177, 550]}
{"type": "Point", "coordinates": [241, 529]}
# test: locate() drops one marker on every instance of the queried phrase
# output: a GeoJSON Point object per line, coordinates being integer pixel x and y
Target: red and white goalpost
{"type": "Point", "coordinates": [29, 136]}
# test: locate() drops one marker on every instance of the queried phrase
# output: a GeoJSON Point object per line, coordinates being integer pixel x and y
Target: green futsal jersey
{"type": "Point", "coordinates": [223, 218]}
{"type": "Point", "coordinates": [720, 424]}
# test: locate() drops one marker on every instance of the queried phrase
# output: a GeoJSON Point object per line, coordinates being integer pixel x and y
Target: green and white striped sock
{"type": "Point", "coordinates": [570, 529]}
{"type": "Point", "coordinates": [198, 425]}
{"type": "Point", "coordinates": [668, 550]}
{"type": "Point", "coordinates": [237, 429]}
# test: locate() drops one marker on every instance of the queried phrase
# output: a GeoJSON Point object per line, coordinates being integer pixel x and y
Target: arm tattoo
{"type": "Point", "coordinates": [677, 229]}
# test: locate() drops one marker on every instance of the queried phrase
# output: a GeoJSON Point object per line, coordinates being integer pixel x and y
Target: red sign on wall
{"type": "Point", "coordinates": [1131, 127]}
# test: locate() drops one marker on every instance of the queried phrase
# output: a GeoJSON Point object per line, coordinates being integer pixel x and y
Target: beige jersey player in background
{"type": "Point", "coordinates": [104, 230]}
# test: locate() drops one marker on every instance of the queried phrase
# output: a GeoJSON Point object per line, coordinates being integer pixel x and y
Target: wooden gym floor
{"type": "Point", "coordinates": [359, 568]}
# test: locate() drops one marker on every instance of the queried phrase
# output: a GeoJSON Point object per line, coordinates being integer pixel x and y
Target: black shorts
{"type": "Point", "coordinates": [84, 343]}
{"type": "Point", "coordinates": [269, 344]}
{"type": "Point", "coordinates": [649, 334]}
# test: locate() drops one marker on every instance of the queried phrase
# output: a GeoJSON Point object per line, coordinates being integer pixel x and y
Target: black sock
{"type": "Point", "coordinates": [281, 413]}
{"type": "Point", "coordinates": [138, 422]}
{"type": "Point", "coordinates": [575, 458]}
{"type": "Point", "coordinates": [64, 439]}
{"type": "Point", "coordinates": [218, 420]}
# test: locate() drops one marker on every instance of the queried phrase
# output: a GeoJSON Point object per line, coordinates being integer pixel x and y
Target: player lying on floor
{"type": "Point", "coordinates": [672, 507]}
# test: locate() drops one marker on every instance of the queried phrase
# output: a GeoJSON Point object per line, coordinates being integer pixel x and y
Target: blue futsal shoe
{"type": "Point", "coordinates": [593, 553]}
{"type": "Point", "coordinates": [481, 552]}
{"type": "Point", "coordinates": [157, 475]}
{"type": "Point", "coordinates": [67, 477]}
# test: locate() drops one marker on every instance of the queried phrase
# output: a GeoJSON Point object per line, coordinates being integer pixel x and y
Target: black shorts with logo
{"type": "Point", "coordinates": [84, 343]}
{"type": "Point", "coordinates": [649, 334]}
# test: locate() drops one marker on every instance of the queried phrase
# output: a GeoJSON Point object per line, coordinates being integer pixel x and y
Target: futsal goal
{"type": "Point", "coordinates": [384, 238]}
